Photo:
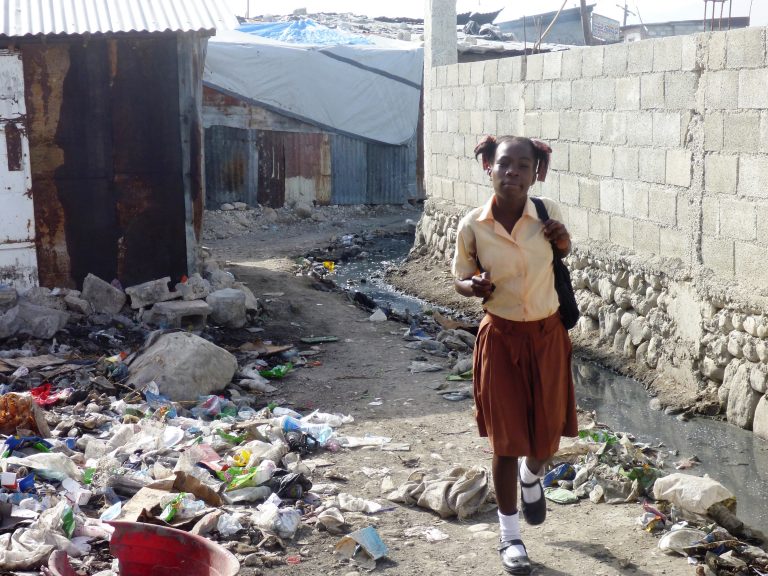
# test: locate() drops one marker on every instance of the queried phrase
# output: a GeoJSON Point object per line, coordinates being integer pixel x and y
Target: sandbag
{"type": "Point", "coordinates": [692, 493]}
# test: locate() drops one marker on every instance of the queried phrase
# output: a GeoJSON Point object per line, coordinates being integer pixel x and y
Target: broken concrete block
{"type": "Point", "coordinates": [40, 296]}
{"type": "Point", "coordinates": [78, 305]}
{"type": "Point", "coordinates": [104, 297]}
{"type": "Point", "coordinates": [9, 323]}
{"type": "Point", "coordinates": [152, 292]}
{"type": "Point", "coordinates": [220, 279]}
{"type": "Point", "coordinates": [226, 207]}
{"type": "Point", "coordinates": [8, 297]}
{"type": "Point", "coordinates": [41, 322]}
{"type": "Point", "coordinates": [195, 288]}
{"type": "Point", "coordinates": [240, 205]}
{"type": "Point", "coordinates": [183, 365]}
{"type": "Point", "coordinates": [251, 302]}
{"type": "Point", "coordinates": [227, 307]}
{"type": "Point", "coordinates": [179, 314]}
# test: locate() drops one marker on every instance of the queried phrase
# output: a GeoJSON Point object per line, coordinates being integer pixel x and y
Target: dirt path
{"type": "Point", "coordinates": [370, 364]}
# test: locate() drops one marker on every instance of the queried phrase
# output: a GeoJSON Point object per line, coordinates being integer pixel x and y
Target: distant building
{"type": "Point", "coordinates": [566, 30]}
{"type": "Point", "coordinates": [636, 32]}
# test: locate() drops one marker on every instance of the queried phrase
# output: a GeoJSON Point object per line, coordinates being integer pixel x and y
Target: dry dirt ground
{"type": "Point", "coordinates": [370, 364]}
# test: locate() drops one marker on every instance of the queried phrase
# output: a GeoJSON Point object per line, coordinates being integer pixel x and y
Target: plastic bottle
{"type": "Point", "coordinates": [320, 432]}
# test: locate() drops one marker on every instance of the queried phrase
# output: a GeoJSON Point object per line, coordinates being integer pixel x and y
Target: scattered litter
{"type": "Point", "coordinates": [363, 546]}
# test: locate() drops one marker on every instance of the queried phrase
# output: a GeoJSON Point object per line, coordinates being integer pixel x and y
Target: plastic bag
{"type": "Point", "coordinates": [277, 372]}
{"type": "Point", "coordinates": [692, 493]}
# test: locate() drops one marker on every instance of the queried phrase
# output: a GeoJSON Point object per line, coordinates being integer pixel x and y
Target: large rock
{"type": "Point", "coordinates": [228, 307]}
{"type": "Point", "coordinates": [760, 423]}
{"type": "Point", "coordinates": [41, 296]}
{"type": "Point", "coordinates": [183, 365]}
{"type": "Point", "coordinates": [10, 323]}
{"type": "Point", "coordinates": [742, 398]}
{"type": "Point", "coordinates": [149, 293]}
{"type": "Point", "coordinates": [105, 298]}
{"type": "Point", "coordinates": [40, 322]}
{"type": "Point", "coordinates": [251, 302]}
{"type": "Point", "coordinates": [195, 288]}
{"type": "Point", "coordinates": [220, 280]}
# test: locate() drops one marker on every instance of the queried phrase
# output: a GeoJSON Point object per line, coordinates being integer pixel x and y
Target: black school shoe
{"type": "Point", "coordinates": [514, 564]}
{"type": "Point", "coordinates": [534, 512]}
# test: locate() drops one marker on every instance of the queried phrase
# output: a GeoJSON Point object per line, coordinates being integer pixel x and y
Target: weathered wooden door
{"type": "Point", "coordinates": [18, 258]}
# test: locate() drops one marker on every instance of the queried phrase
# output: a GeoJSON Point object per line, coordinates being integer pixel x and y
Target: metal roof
{"type": "Point", "coordinates": [49, 17]}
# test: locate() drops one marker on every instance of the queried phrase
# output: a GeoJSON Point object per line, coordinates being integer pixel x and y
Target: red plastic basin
{"type": "Point", "coordinates": [149, 550]}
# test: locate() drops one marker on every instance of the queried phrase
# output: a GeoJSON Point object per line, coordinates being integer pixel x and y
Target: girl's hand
{"type": "Point", "coordinates": [557, 234]}
{"type": "Point", "coordinates": [482, 287]}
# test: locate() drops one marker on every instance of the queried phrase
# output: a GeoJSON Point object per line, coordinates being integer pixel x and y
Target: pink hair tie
{"type": "Point", "coordinates": [546, 151]}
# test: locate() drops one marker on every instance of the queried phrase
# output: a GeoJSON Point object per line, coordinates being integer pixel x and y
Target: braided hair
{"type": "Point", "coordinates": [486, 150]}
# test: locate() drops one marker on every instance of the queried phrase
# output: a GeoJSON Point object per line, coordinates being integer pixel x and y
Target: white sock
{"type": "Point", "coordinates": [510, 530]}
{"type": "Point", "coordinates": [529, 494]}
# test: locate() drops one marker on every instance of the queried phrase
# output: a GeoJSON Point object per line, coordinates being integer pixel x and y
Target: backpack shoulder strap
{"type": "Point", "coordinates": [541, 210]}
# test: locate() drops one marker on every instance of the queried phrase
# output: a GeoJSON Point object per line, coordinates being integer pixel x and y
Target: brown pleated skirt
{"type": "Point", "coordinates": [523, 386]}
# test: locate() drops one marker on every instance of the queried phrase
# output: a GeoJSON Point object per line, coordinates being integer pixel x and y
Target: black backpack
{"type": "Point", "coordinates": [569, 310]}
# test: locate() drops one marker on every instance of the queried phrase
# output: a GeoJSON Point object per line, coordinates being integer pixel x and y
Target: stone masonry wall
{"type": "Point", "coordinates": [660, 165]}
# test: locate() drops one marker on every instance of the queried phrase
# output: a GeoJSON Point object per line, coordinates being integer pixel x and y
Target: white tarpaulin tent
{"type": "Point", "coordinates": [371, 92]}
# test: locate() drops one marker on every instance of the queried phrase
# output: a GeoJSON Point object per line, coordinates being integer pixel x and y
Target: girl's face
{"type": "Point", "coordinates": [513, 170]}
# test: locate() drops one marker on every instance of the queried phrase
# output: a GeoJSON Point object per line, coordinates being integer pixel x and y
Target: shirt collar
{"type": "Point", "coordinates": [486, 214]}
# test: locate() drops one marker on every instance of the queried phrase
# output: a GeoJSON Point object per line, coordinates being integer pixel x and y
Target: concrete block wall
{"type": "Point", "coordinates": [660, 165]}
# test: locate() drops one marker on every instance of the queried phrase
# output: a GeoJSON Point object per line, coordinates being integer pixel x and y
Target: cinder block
{"type": "Point", "coordinates": [509, 69]}
{"type": "Point", "coordinates": [534, 67]}
{"type": "Point", "coordinates": [532, 125]}
{"type": "Point", "coordinates": [571, 65]}
{"type": "Point", "coordinates": [506, 123]}
{"type": "Point", "coordinates": [569, 125]}
{"type": "Point", "coordinates": [710, 216]}
{"type": "Point", "coordinates": [550, 125]}
{"type": "Point", "coordinates": [750, 264]}
{"type": "Point", "coordinates": [577, 222]}
{"type": "Point", "coordinates": [453, 122]}
{"type": "Point", "coordinates": [718, 255]}
{"type": "Point", "coordinates": [569, 189]}
{"type": "Point", "coordinates": [662, 205]}
{"type": "Point", "coordinates": [762, 223]}
{"type": "Point", "coordinates": [602, 161]}
{"type": "Point", "coordinates": [640, 57]}
{"type": "Point", "coordinates": [460, 193]}
{"type": "Point", "coordinates": [579, 158]}
{"type": "Point", "coordinates": [721, 173]}
{"type": "Point", "coordinates": [543, 95]}
{"type": "Point", "coordinates": [465, 74]}
{"type": "Point", "coordinates": [688, 53]}
{"type": "Point", "coordinates": [451, 168]}
{"type": "Point", "coordinates": [667, 129]}
{"type": "Point", "coordinates": [628, 93]}
{"type": "Point", "coordinates": [550, 188]}
{"type": "Point", "coordinates": [529, 95]}
{"type": "Point", "coordinates": [738, 219]}
{"type": "Point", "coordinates": [589, 193]}
{"type": "Point", "coordinates": [612, 196]}
{"type": "Point", "coordinates": [745, 48]}
{"type": "Point", "coordinates": [763, 131]}
{"type": "Point", "coordinates": [452, 75]}
{"type": "Point", "coordinates": [679, 164]}
{"type": "Point", "coordinates": [722, 90]}
{"type": "Point", "coordinates": [614, 128]}
{"type": "Point", "coordinates": [553, 62]}
{"type": "Point", "coordinates": [741, 132]}
{"type": "Point", "coordinates": [680, 90]}
{"type": "Point", "coordinates": [642, 128]}
{"type": "Point", "coordinates": [684, 209]}
{"type": "Point", "coordinates": [440, 121]}
{"type": "Point", "coordinates": [559, 157]}
{"type": "Point", "coordinates": [497, 97]}
{"type": "Point", "coordinates": [753, 89]}
{"type": "Point", "coordinates": [491, 72]}
{"type": "Point", "coordinates": [647, 237]}
{"type": "Point", "coordinates": [674, 244]}
{"type": "Point", "coordinates": [753, 176]}
{"type": "Point", "coordinates": [667, 54]}
{"type": "Point", "coordinates": [615, 60]}
{"type": "Point", "coordinates": [652, 91]}
{"type": "Point", "coordinates": [477, 72]}
{"type": "Point", "coordinates": [622, 231]}
{"type": "Point", "coordinates": [512, 96]}
{"type": "Point", "coordinates": [476, 122]}
{"type": "Point", "coordinates": [592, 61]}
{"type": "Point", "coordinates": [604, 94]}
{"type": "Point", "coordinates": [489, 123]}
{"type": "Point", "coordinates": [441, 76]}
{"type": "Point", "coordinates": [625, 163]}
{"type": "Point", "coordinates": [636, 199]}
{"type": "Point", "coordinates": [713, 132]}
{"type": "Point", "coordinates": [715, 50]}
{"type": "Point", "coordinates": [465, 122]}
{"type": "Point", "coordinates": [561, 94]}
{"type": "Point", "coordinates": [590, 126]}
{"type": "Point", "coordinates": [581, 94]}
{"type": "Point", "coordinates": [599, 226]}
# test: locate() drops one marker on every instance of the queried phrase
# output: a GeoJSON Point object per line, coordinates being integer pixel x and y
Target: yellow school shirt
{"type": "Point", "coordinates": [520, 263]}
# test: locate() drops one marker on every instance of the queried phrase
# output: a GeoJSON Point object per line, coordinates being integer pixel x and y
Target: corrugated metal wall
{"type": "Point", "coordinates": [349, 166]}
{"type": "Point", "coordinates": [231, 166]}
{"type": "Point", "coordinates": [389, 169]}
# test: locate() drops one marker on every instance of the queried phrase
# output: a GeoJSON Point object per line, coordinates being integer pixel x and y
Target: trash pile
{"type": "Point", "coordinates": [694, 516]}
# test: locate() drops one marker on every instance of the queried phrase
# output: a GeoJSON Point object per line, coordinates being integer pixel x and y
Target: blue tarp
{"type": "Point", "coordinates": [304, 32]}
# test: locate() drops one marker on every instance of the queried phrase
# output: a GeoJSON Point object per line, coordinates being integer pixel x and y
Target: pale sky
{"type": "Point", "coordinates": [649, 10]}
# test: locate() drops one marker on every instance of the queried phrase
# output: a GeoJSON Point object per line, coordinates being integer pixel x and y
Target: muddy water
{"type": "Point", "coordinates": [728, 454]}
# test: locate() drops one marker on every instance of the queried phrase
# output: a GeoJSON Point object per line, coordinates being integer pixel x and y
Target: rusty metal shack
{"type": "Point", "coordinates": [301, 125]}
{"type": "Point", "coordinates": [101, 138]}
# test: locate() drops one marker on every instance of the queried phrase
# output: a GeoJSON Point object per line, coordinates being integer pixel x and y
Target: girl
{"type": "Point", "coordinates": [523, 389]}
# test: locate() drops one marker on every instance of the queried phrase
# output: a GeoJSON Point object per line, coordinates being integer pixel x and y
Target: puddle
{"type": "Point", "coordinates": [728, 454]}
{"type": "Point", "coordinates": [732, 456]}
